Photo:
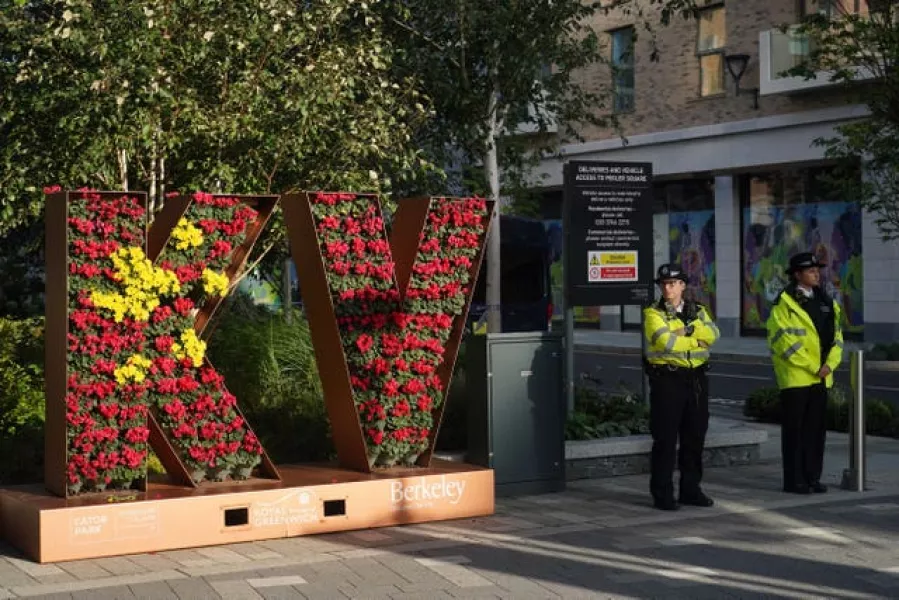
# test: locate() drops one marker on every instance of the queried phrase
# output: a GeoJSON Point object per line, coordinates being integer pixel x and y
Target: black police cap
{"type": "Point", "coordinates": [803, 260]}
{"type": "Point", "coordinates": [671, 271]}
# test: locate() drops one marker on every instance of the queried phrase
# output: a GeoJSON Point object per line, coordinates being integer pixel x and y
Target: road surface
{"type": "Point", "coordinates": [730, 382]}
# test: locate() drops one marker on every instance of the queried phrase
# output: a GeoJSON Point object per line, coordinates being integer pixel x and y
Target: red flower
{"type": "Point", "coordinates": [160, 314]}
{"type": "Point", "coordinates": [378, 366]}
{"type": "Point", "coordinates": [364, 342]}
{"type": "Point", "coordinates": [183, 306]}
{"type": "Point", "coordinates": [163, 344]}
{"type": "Point", "coordinates": [360, 383]}
{"type": "Point", "coordinates": [329, 222]}
{"type": "Point", "coordinates": [422, 367]}
{"type": "Point", "coordinates": [187, 384]}
{"type": "Point", "coordinates": [391, 345]}
{"type": "Point", "coordinates": [336, 249]}
{"type": "Point", "coordinates": [209, 376]}
{"type": "Point", "coordinates": [391, 387]}
{"type": "Point", "coordinates": [376, 436]}
{"type": "Point", "coordinates": [424, 403]}
{"type": "Point", "coordinates": [401, 409]}
{"type": "Point", "coordinates": [165, 364]}
{"type": "Point", "coordinates": [208, 225]}
{"type": "Point", "coordinates": [340, 268]}
{"type": "Point", "coordinates": [415, 386]}
{"type": "Point", "coordinates": [188, 273]}
{"type": "Point", "coordinates": [137, 435]}
{"type": "Point", "coordinates": [359, 247]}
{"type": "Point", "coordinates": [220, 248]}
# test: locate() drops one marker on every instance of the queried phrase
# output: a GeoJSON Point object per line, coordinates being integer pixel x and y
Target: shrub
{"type": "Point", "coordinates": [269, 363]}
{"type": "Point", "coordinates": [884, 352]}
{"type": "Point", "coordinates": [21, 400]}
{"type": "Point", "coordinates": [453, 434]}
{"type": "Point", "coordinates": [837, 417]}
{"type": "Point", "coordinates": [878, 417]}
{"type": "Point", "coordinates": [763, 405]}
{"type": "Point", "coordinates": [597, 415]}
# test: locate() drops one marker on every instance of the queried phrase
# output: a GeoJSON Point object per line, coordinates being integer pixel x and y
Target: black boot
{"type": "Point", "coordinates": [665, 503]}
{"type": "Point", "coordinates": [696, 498]}
{"type": "Point", "coordinates": [799, 488]}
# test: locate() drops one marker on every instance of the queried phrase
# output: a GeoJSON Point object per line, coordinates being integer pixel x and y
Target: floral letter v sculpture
{"type": "Point", "coordinates": [386, 316]}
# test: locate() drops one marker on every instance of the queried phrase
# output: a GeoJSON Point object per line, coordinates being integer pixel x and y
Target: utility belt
{"type": "Point", "coordinates": [653, 370]}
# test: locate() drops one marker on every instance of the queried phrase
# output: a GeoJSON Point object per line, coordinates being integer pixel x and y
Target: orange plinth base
{"type": "Point", "coordinates": [310, 499]}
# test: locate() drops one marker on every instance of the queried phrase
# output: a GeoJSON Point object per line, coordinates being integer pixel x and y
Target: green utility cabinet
{"type": "Point", "coordinates": [516, 410]}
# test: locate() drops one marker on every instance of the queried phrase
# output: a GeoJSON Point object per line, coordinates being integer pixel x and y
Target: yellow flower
{"type": "Point", "coordinates": [141, 283]}
{"type": "Point", "coordinates": [186, 235]}
{"type": "Point", "coordinates": [215, 284]}
{"type": "Point", "coordinates": [190, 347]}
{"type": "Point", "coordinates": [135, 369]}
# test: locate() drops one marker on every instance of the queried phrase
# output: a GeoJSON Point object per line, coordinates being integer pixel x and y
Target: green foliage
{"type": "Point", "coordinates": [22, 271]}
{"type": "Point", "coordinates": [881, 418]}
{"type": "Point", "coordinates": [21, 400]}
{"type": "Point", "coordinates": [154, 466]}
{"type": "Point", "coordinates": [453, 434]}
{"type": "Point", "coordinates": [21, 373]}
{"type": "Point", "coordinates": [597, 415]}
{"type": "Point", "coordinates": [483, 65]}
{"type": "Point", "coordinates": [878, 417]}
{"type": "Point", "coordinates": [269, 364]}
{"type": "Point", "coordinates": [851, 48]}
{"type": "Point", "coordinates": [763, 404]}
{"type": "Point", "coordinates": [837, 415]}
{"type": "Point", "coordinates": [884, 352]}
{"type": "Point", "coordinates": [240, 96]}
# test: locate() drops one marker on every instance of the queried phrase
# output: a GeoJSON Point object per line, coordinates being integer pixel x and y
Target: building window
{"type": "Point", "coordinates": [790, 211]}
{"type": "Point", "coordinates": [623, 69]}
{"type": "Point", "coordinates": [710, 49]}
{"type": "Point", "coordinates": [833, 8]}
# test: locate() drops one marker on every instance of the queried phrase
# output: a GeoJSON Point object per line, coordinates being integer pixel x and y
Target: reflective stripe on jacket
{"type": "Point", "coordinates": [666, 347]}
{"type": "Point", "coordinates": [795, 345]}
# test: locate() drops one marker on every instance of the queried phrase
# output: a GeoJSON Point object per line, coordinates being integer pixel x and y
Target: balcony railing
{"type": "Point", "coordinates": [780, 51]}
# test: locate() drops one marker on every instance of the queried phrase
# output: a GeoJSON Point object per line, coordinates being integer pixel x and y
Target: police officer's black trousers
{"type": "Point", "coordinates": [679, 407]}
{"type": "Point", "coordinates": [803, 434]}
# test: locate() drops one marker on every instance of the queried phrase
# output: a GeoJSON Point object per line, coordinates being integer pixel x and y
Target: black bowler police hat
{"type": "Point", "coordinates": [803, 260]}
{"type": "Point", "coordinates": [671, 271]}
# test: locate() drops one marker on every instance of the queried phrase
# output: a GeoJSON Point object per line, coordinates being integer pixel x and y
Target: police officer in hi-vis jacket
{"type": "Point", "coordinates": [679, 333]}
{"type": "Point", "coordinates": [806, 342]}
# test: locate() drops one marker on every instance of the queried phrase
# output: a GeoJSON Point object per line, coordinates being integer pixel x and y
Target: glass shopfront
{"type": "Point", "coordinates": [684, 233]}
{"type": "Point", "coordinates": [789, 211]}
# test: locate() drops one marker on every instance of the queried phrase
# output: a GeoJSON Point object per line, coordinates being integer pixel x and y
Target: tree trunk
{"type": "Point", "coordinates": [153, 198]}
{"type": "Point", "coordinates": [161, 182]}
{"type": "Point", "coordinates": [122, 157]}
{"type": "Point", "coordinates": [494, 255]}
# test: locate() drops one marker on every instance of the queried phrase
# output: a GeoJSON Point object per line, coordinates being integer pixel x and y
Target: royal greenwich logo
{"type": "Point", "coordinates": [425, 491]}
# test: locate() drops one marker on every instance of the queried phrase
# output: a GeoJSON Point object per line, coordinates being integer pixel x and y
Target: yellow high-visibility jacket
{"type": "Point", "coordinates": [666, 347]}
{"type": "Point", "coordinates": [795, 345]}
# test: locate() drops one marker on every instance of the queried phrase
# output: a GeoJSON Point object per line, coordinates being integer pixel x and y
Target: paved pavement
{"type": "Point", "coordinates": [599, 539]}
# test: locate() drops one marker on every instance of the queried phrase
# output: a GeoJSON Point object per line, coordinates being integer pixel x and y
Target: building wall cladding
{"type": "Point", "coordinates": [667, 92]}
{"type": "Point", "coordinates": [686, 135]}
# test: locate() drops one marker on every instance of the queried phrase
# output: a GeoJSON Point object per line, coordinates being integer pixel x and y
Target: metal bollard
{"type": "Point", "coordinates": [854, 476]}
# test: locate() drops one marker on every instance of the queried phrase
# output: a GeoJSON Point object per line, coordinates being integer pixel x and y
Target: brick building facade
{"type": "Point", "coordinates": [738, 176]}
